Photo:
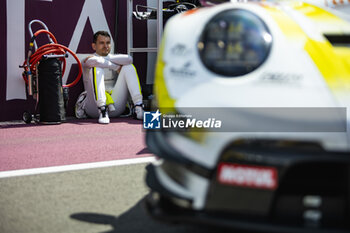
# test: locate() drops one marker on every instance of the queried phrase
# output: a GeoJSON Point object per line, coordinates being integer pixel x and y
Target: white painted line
{"type": "Point", "coordinates": [75, 167]}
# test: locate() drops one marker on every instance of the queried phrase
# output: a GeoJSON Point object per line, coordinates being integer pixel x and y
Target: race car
{"type": "Point", "coordinates": [252, 102]}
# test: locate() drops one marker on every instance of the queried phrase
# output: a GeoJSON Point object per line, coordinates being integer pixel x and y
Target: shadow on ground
{"type": "Point", "coordinates": [137, 220]}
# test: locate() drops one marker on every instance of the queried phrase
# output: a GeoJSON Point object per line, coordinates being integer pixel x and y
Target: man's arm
{"type": "Point", "coordinates": [120, 59]}
{"type": "Point", "coordinates": [95, 61]}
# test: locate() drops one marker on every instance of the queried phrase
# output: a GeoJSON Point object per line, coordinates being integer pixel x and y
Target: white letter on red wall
{"type": "Point", "coordinates": [15, 87]}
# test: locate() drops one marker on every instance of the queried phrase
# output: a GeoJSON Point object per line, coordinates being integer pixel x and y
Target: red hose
{"type": "Point", "coordinates": [52, 48]}
{"type": "Point", "coordinates": [47, 32]}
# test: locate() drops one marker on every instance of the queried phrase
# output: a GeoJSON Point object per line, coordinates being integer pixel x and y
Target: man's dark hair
{"type": "Point", "coordinates": [102, 33]}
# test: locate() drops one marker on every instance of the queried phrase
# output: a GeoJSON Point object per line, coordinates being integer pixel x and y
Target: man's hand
{"type": "Point", "coordinates": [118, 70]}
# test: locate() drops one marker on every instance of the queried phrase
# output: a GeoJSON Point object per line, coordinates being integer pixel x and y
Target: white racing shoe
{"type": "Point", "coordinates": [103, 118]}
{"type": "Point", "coordinates": [138, 112]}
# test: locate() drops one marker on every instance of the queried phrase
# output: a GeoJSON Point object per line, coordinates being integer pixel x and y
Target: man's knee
{"type": "Point", "coordinates": [128, 68]}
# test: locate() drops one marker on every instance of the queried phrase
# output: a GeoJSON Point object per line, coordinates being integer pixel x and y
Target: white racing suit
{"type": "Point", "coordinates": [99, 90]}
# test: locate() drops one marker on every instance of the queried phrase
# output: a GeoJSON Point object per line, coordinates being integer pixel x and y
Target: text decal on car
{"type": "Point", "coordinates": [247, 176]}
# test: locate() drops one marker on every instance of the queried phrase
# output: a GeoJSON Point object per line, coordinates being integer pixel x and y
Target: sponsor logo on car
{"type": "Point", "coordinates": [259, 177]}
{"type": "Point", "coordinates": [281, 77]}
{"type": "Point", "coordinates": [180, 50]}
{"type": "Point", "coordinates": [184, 71]}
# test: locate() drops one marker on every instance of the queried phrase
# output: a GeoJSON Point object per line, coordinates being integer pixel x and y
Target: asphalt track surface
{"type": "Point", "coordinates": [53, 180]}
{"type": "Point", "coordinates": [93, 200]}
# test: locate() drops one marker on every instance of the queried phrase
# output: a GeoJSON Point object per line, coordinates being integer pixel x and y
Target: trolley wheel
{"type": "Point", "coordinates": [27, 117]}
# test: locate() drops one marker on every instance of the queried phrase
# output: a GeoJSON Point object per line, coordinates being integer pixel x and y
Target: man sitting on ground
{"type": "Point", "coordinates": [103, 101]}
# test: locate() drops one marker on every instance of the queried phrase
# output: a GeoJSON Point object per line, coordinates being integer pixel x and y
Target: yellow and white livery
{"type": "Point", "coordinates": [258, 65]}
